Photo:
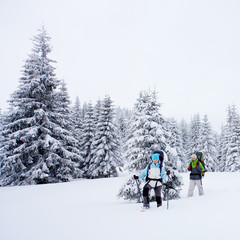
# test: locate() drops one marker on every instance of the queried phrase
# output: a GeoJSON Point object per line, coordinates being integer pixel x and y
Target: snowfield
{"type": "Point", "coordinates": [89, 210]}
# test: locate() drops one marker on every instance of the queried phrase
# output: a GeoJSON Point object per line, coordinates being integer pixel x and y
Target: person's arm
{"type": "Point", "coordinates": [189, 167]}
{"type": "Point", "coordinates": [163, 173]}
{"type": "Point", "coordinates": [144, 173]}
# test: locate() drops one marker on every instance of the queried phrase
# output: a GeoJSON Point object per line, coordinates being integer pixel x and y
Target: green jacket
{"type": "Point", "coordinates": [196, 169]}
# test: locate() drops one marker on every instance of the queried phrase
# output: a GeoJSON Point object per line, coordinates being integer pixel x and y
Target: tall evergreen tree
{"type": "Point", "coordinates": [233, 147]}
{"type": "Point", "coordinates": [97, 111]}
{"type": "Point", "coordinates": [194, 135]}
{"type": "Point", "coordinates": [84, 110]}
{"type": "Point", "coordinates": [106, 160]}
{"type": "Point", "coordinates": [175, 142]}
{"type": "Point", "coordinates": [61, 116]}
{"type": "Point", "coordinates": [37, 149]}
{"type": "Point", "coordinates": [76, 118]}
{"type": "Point", "coordinates": [207, 145]}
{"type": "Point", "coordinates": [222, 149]}
{"type": "Point", "coordinates": [146, 132]}
{"type": "Point", "coordinates": [123, 119]}
{"type": "Point", "coordinates": [87, 137]}
{"type": "Point", "coordinates": [184, 133]}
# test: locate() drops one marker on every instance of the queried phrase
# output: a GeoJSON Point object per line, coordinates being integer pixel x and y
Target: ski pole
{"type": "Point", "coordinates": [167, 193]}
{"type": "Point", "coordinates": [139, 191]}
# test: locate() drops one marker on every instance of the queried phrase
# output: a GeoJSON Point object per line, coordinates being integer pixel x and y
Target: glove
{"type": "Point", "coordinates": [168, 172]}
{"type": "Point", "coordinates": [135, 177]}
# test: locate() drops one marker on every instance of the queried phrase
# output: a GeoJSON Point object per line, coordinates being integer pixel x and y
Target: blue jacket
{"type": "Point", "coordinates": [163, 174]}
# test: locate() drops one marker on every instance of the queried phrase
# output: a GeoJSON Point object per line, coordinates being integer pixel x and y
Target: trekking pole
{"type": "Point", "coordinates": [139, 191]}
{"type": "Point", "coordinates": [167, 193]}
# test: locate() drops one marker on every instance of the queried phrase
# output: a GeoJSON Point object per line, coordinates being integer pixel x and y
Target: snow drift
{"type": "Point", "coordinates": [89, 209]}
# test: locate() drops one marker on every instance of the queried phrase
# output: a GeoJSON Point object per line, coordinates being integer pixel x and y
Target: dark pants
{"type": "Point", "coordinates": [157, 190]}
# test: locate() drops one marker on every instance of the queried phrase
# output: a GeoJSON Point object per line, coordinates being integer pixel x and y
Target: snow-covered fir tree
{"type": "Point", "coordinates": [222, 149]}
{"type": "Point", "coordinates": [84, 110]}
{"type": "Point", "coordinates": [194, 135]}
{"type": "Point", "coordinates": [232, 162]}
{"type": "Point", "coordinates": [122, 121]}
{"type": "Point", "coordinates": [175, 142]}
{"type": "Point", "coordinates": [87, 137]}
{"type": "Point", "coordinates": [106, 160]}
{"type": "Point", "coordinates": [61, 116]}
{"type": "Point", "coordinates": [216, 138]}
{"type": "Point", "coordinates": [76, 118]}
{"type": "Point", "coordinates": [184, 133]}
{"type": "Point", "coordinates": [97, 111]}
{"type": "Point", "coordinates": [37, 147]}
{"type": "Point", "coordinates": [147, 133]}
{"type": "Point", "coordinates": [207, 145]}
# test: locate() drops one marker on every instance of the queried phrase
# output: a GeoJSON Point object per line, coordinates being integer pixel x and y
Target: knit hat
{"type": "Point", "coordinates": [194, 156]}
{"type": "Point", "coordinates": [155, 156]}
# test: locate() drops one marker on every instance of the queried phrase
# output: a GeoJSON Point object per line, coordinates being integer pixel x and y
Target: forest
{"type": "Point", "coordinates": [46, 139]}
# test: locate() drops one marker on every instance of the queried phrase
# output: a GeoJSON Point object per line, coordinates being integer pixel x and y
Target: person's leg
{"type": "Point", "coordinates": [158, 195]}
{"type": "Point", "coordinates": [191, 188]}
{"type": "Point", "coordinates": [200, 187]}
{"type": "Point", "coordinates": [146, 190]}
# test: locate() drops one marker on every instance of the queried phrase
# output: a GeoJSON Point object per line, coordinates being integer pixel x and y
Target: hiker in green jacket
{"type": "Point", "coordinates": [197, 170]}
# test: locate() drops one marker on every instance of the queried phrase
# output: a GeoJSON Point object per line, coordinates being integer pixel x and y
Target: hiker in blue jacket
{"type": "Point", "coordinates": [154, 174]}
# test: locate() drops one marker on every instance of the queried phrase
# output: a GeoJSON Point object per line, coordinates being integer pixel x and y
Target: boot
{"type": "Point", "coordinates": [159, 201]}
{"type": "Point", "coordinates": [146, 206]}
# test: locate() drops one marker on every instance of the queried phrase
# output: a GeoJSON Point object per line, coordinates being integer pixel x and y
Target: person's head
{"type": "Point", "coordinates": [194, 157]}
{"type": "Point", "coordinates": [155, 158]}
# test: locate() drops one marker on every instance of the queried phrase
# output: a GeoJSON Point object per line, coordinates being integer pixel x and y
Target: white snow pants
{"type": "Point", "coordinates": [192, 185]}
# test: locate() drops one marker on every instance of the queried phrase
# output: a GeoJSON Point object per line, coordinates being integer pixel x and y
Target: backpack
{"type": "Point", "coordinates": [200, 157]}
{"type": "Point", "coordinates": [161, 154]}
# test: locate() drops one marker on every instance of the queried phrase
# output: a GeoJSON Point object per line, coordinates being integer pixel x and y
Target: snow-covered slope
{"type": "Point", "coordinates": [89, 209]}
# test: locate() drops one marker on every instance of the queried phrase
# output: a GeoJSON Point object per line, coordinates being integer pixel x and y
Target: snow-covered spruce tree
{"type": "Point", "coordinates": [232, 163]}
{"type": "Point", "coordinates": [216, 137]}
{"type": "Point", "coordinates": [207, 145]}
{"type": "Point", "coordinates": [122, 120]}
{"type": "Point", "coordinates": [76, 119]}
{"type": "Point", "coordinates": [37, 147]}
{"type": "Point", "coordinates": [222, 149]}
{"type": "Point", "coordinates": [106, 157]}
{"type": "Point", "coordinates": [87, 137]}
{"type": "Point", "coordinates": [84, 110]}
{"type": "Point", "coordinates": [184, 133]}
{"type": "Point", "coordinates": [61, 116]}
{"type": "Point", "coordinates": [131, 190]}
{"type": "Point", "coordinates": [97, 111]}
{"type": "Point", "coordinates": [194, 135]}
{"type": "Point", "coordinates": [174, 140]}
{"type": "Point", "coordinates": [147, 133]}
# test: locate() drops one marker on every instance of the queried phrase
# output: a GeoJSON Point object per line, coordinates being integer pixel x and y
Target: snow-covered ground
{"type": "Point", "coordinates": [89, 210]}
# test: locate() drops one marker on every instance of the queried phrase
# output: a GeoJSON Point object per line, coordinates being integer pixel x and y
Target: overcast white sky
{"type": "Point", "coordinates": [188, 50]}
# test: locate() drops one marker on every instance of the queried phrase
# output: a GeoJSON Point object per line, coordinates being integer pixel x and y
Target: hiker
{"type": "Point", "coordinates": [154, 174]}
{"type": "Point", "coordinates": [197, 170]}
